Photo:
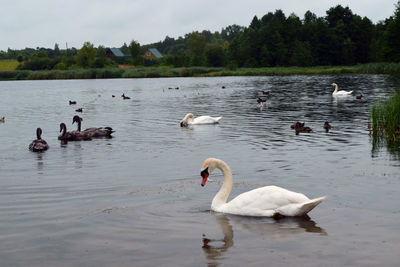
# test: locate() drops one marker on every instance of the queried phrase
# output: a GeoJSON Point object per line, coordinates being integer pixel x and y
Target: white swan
{"type": "Point", "coordinates": [190, 119]}
{"type": "Point", "coordinates": [341, 92]}
{"type": "Point", "coordinates": [265, 201]}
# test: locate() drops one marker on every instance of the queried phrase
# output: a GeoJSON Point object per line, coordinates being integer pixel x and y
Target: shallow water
{"type": "Point", "coordinates": [136, 199]}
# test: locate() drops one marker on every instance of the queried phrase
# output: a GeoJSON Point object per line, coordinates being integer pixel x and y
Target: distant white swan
{"type": "Point", "coordinates": [341, 92]}
{"type": "Point", "coordinates": [268, 201]}
{"type": "Point", "coordinates": [190, 119]}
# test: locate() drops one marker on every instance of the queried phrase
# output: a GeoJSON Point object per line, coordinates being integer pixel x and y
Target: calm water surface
{"type": "Point", "coordinates": [136, 199]}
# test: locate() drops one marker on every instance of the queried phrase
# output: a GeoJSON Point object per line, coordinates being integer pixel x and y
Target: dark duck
{"type": "Point", "coordinates": [300, 128]}
{"type": "Point", "coordinates": [327, 126]}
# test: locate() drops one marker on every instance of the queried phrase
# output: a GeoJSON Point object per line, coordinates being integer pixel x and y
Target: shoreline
{"type": "Point", "coordinates": [169, 72]}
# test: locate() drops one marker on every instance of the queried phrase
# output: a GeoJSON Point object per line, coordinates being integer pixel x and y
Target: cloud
{"type": "Point", "coordinates": [111, 23]}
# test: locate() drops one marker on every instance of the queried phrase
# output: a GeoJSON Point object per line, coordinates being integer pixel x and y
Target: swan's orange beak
{"type": "Point", "coordinates": [203, 182]}
{"type": "Point", "coordinates": [204, 174]}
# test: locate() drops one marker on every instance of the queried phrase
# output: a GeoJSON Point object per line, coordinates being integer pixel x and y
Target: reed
{"type": "Point", "coordinates": [384, 118]}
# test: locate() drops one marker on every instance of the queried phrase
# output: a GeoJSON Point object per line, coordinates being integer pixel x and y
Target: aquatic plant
{"type": "Point", "coordinates": [384, 118]}
{"type": "Point", "coordinates": [384, 124]}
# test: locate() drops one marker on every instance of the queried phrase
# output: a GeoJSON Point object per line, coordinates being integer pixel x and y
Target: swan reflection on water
{"type": "Point", "coordinates": [267, 228]}
{"type": "Point", "coordinates": [40, 163]}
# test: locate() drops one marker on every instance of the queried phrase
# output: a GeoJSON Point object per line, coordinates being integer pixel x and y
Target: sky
{"type": "Point", "coordinates": [42, 23]}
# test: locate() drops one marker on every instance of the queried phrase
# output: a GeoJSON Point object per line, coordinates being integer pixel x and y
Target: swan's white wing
{"type": "Point", "coordinates": [299, 209]}
{"type": "Point", "coordinates": [342, 92]}
{"type": "Point", "coordinates": [262, 201]}
{"type": "Point", "coordinates": [205, 120]}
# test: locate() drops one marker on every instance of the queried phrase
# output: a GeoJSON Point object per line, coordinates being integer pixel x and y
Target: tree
{"type": "Point", "coordinates": [230, 32]}
{"type": "Point", "coordinates": [348, 52]}
{"type": "Point", "coordinates": [20, 58]}
{"type": "Point", "coordinates": [391, 38]}
{"type": "Point", "coordinates": [301, 54]}
{"type": "Point", "coordinates": [255, 23]}
{"type": "Point", "coordinates": [215, 55]}
{"type": "Point", "coordinates": [101, 58]}
{"type": "Point", "coordinates": [86, 55]}
{"type": "Point", "coordinates": [134, 49]}
{"type": "Point", "coordinates": [196, 44]}
{"type": "Point", "coordinates": [56, 50]}
{"type": "Point", "coordinates": [339, 13]}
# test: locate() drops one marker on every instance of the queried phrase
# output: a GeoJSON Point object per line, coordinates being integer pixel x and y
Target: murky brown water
{"type": "Point", "coordinates": [136, 199]}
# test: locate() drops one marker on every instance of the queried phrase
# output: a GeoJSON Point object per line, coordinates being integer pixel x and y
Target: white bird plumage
{"type": "Point", "coordinates": [265, 201]}
{"type": "Point", "coordinates": [190, 119]}
{"type": "Point", "coordinates": [341, 92]}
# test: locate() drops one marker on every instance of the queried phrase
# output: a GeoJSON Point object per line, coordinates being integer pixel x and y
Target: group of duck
{"type": "Point", "coordinates": [39, 144]}
{"type": "Point", "coordinates": [299, 127]}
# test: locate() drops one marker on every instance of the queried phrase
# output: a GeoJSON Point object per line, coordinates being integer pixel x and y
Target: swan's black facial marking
{"type": "Point", "coordinates": [204, 174]}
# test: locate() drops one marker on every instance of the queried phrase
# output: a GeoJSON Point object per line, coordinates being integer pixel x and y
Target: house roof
{"type": "Point", "coordinates": [117, 52]}
{"type": "Point", "coordinates": [155, 52]}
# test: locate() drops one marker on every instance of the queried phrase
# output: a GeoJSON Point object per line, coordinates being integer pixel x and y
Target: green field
{"type": "Point", "coordinates": [8, 64]}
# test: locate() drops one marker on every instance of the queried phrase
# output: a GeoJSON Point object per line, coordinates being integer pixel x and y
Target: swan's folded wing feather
{"type": "Point", "coordinates": [205, 120]}
{"type": "Point", "coordinates": [263, 201]}
{"type": "Point", "coordinates": [299, 209]}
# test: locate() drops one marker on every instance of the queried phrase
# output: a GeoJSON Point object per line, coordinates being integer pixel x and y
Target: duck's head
{"type": "Point", "coordinates": [207, 168]}
{"type": "Point", "coordinates": [184, 121]}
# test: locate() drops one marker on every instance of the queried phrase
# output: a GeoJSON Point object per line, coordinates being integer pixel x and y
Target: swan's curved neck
{"type": "Point", "coordinates": [63, 129]}
{"type": "Point", "coordinates": [336, 88]}
{"type": "Point", "coordinates": [79, 126]}
{"type": "Point", "coordinates": [222, 196]}
{"type": "Point", "coordinates": [38, 134]}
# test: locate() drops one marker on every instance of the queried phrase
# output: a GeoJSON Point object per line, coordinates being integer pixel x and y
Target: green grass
{"type": "Point", "coordinates": [155, 72]}
{"type": "Point", "coordinates": [8, 64]}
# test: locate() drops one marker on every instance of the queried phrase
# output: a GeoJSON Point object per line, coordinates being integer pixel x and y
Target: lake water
{"type": "Point", "coordinates": [136, 199]}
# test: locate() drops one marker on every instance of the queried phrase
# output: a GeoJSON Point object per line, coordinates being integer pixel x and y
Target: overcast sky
{"type": "Point", "coordinates": [42, 23]}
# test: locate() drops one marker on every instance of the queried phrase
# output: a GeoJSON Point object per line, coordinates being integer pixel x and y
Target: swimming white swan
{"type": "Point", "coordinates": [190, 119]}
{"type": "Point", "coordinates": [341, 92]}
{"type": "Point", "coordinates": [265, 201]}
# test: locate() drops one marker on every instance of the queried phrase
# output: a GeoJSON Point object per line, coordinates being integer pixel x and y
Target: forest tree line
{"type": "Point", "coordinates": [339, 38]}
